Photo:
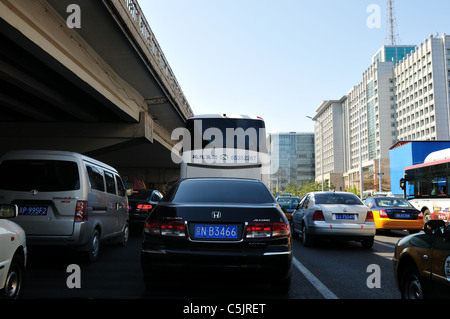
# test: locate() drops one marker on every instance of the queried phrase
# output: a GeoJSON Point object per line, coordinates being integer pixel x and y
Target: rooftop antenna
{"type": "Point", "coordinates": [392, 36]}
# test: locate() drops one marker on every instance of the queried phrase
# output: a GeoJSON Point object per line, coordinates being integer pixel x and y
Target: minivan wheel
{"type": "Point", "coordinates": [15, 278]}
{"type": "Point", "coordinates": [93, 248]}
{"type": "Point", "coordinates": [125, 235]}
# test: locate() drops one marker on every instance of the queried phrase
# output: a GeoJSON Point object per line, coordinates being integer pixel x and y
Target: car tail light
{"type": "Point", "coordinates": [152, 228]}
{"type": "Point", "coordinates": [166, 228]}
{"type": "Point", "coordinates": [81, 213]}
{"type": "Point", "coordinates": [420, 216]}
{"type": "Point", "coordinates": [383, 214]}
{"type": "Point", "coordinates": [369, 216]}
{"type": "Point", "coordinates": [145, 206]}
{"type": "Point", "coordinates": [318, 215]}
{"type": "Point", "coordinates": [266, 230]}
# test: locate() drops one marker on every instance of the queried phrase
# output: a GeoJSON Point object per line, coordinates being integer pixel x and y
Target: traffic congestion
{"type": "Point", "coordinates": [236, 228]}
{"type": "Point", "coordinates": [218, 224]}
{"type": "Point", "coordinates": [113, 188]}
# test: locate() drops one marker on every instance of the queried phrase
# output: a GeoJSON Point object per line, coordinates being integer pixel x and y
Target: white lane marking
{"type": "Point", "coordinates": [385, 255]}
{"type": "Point", "coordinates": [388, 255]}
{"type": "Point", "coordinates": [325, 292]}
{"type": "Point", "coordinates": [390, 245]}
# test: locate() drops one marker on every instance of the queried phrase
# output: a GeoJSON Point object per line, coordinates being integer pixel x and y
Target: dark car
{"type": "Point", "coordinates": [211, 228]}
{"type": "Point", "coordinates": [141, 202]}
{"type": "Point", "coordinates": [422, 262]}
{"type": "Point", "coordinates": [288, 204]}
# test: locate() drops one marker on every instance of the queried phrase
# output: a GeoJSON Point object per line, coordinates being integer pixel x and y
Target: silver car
{"type": "Point", "coordinates": [338, 215]}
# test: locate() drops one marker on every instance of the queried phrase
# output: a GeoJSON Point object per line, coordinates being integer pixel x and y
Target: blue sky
{"type": "Point", "coordinates": [278, 59]}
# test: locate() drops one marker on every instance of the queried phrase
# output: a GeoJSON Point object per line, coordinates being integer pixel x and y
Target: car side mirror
{"type": "Point", "coordinates": [434, 227]}
{"type": "Point", "coordinates": [402, 183]}
{"type": "Point", "coordinates": [8, 211]}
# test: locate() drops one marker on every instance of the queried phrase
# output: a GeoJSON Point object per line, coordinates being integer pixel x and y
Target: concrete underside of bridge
{"type": "Point", "coordinates": [89, 90]}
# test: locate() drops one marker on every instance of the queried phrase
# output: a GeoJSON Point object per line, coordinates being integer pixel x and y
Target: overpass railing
{"type": "Point", "coordinates": [134, 12]}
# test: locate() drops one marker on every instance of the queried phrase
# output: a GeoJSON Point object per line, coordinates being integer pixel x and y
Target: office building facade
{"type": "Point", "coordinates": [422, 84]}
{"type": "Point", "coordinates": [292, 156]}
{"type": "Point", "coordinates": [330, 143]}
{"type": "Point", "coordinates": [403, 95]}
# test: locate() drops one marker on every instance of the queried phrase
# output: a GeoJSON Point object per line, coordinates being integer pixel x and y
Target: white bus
{"type": "Point", "coordinates": [426, 186]}
{"type": "Point", "coordinates": [224, 146]}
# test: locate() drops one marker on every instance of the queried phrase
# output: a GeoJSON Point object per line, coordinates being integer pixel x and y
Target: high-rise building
{"type": "Point", "coordinates": [372, 121]}
{"type": "Point", "coordinates": [330, 142]}
{"type": "Point", "coordinates": [365, 129]}
{"type": "Point", "coordinates": [294, 156]}
{"type": "Point", "coordinates": [403, 95]}
{"type": "Point", "coordinates": [422, 83]}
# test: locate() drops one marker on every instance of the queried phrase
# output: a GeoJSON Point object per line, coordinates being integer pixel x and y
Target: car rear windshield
{"type": "Point", "coordinates": [288, 201]}
{"type": "Point", "coordinates": [140, 194]}
{"type": "Point", "coordinates": [221, 191]}
{"type": "Point", "coordinates": [333, 198]}
{"type": "Point", "coordinates": [40, 175]}
{"type": "Point", "coordinates": [396, 202]}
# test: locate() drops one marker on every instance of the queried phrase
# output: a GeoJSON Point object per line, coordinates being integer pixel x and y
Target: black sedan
{"type": "Point", "coordinates": [141, 202]}
{"type": "Point", "coordinates": [209, 228]}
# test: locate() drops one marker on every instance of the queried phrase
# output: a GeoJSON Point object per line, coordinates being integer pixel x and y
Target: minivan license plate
{"type": "Point", "coordinates": [216, 231]}
{"type": "Point", "coordinates": [33, 210]}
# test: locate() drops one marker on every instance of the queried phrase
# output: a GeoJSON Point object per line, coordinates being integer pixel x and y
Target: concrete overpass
{"type": "Point", "coordinates": [102, 88]}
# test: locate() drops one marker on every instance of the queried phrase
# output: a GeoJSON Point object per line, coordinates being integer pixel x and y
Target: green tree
{"type": "Point", "coordinates": [301, 190]}
{"type": "Point", "coordinates": [353, 190]}
{"type": "Point", "coordinates": [291, 188]}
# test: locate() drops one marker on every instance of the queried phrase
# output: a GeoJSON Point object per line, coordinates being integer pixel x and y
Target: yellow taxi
{"type": "Point", "coordinates": [395, 213]}
{"type": "Point", "coordinates": [422, 263]}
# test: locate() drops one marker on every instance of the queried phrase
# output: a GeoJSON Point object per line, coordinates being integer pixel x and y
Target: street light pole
{"type": "Point", "coordinates": [321, 148]}
{"type": "Point", "coordinates": [361, 179]}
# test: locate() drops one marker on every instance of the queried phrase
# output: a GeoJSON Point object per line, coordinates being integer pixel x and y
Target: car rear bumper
{"type": "Point", "coordinates": [399, 224]}
{"type": "Point", "coordinates": [344, 230]}
{"type": "Point", "coordinates": [276, 265]}
{"type": "Point", "coordinates": [138, 217]}
{"type": "Point", "coordinates": [80, 236]}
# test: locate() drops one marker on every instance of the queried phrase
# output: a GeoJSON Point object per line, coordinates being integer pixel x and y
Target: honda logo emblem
{"type": "Point", "coordinates": [216, 214]}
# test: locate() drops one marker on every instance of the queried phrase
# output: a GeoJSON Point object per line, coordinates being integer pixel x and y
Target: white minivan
{"type": "Point", "coordinates": [65, 198]}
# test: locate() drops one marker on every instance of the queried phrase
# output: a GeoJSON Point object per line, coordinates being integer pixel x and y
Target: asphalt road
{"type": "Point", "coordinates": [329, 270]}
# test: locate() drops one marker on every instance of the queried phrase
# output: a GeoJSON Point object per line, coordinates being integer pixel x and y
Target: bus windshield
{"type": "Point", "coordinates": [237, 133]}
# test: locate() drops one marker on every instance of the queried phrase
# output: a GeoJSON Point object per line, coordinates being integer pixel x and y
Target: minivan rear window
{"type": "Point", "coordinates": [40, 175]}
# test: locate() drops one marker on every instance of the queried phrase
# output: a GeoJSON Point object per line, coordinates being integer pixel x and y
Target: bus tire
{"type": "Point", "coordinates": [426, 215]}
